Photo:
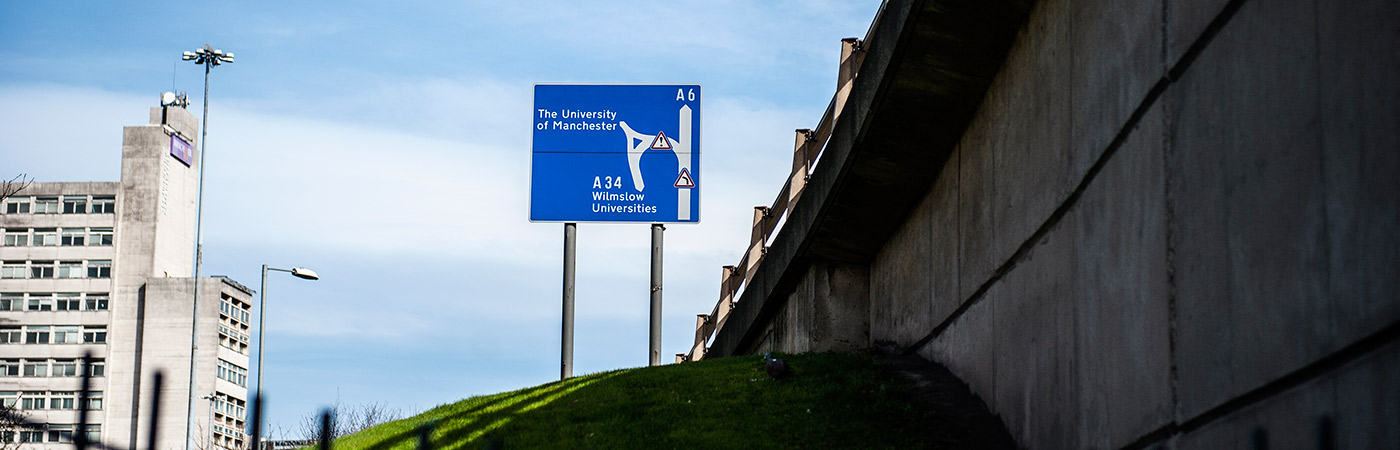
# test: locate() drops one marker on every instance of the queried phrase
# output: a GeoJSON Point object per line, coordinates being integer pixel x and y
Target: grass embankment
{"type": "Point", "coordinates": [832, 401]}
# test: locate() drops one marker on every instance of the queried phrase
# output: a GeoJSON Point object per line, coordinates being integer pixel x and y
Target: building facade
{"type": "Point", "coordinates": [106, 269]}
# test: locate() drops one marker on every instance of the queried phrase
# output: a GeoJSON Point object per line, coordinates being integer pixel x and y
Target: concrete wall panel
{"type": "Point", "coordinates": [1368, 401]}
{"type": "Point", "coordinates": [968, 347]}
{"type": "Point", "coordinates": [1035, 346]}
{"type": "Point", "coordinates": [1031, 139]}
{"type": "Point", "coordinates": [944, 232]}
{"type": "Point", "coordinates": [1354, 406]}
{"type": "Point", "coordinates": [976, 189]}
{"type": "Point", "coordinates": [1116, 59]}
{"type": "Point", "coordinates": [1360, 94]}
{"type": "Point", "coordinates": [1122, 292]}
{"type": "Point", "coordinates": [1289, 421]}
{"type": "Point", "coordinates": [900, 282]}
{"type": "Point", "coordinates": [1246, 176]}
{"type": "Point", "coordinates": [1185, 21]}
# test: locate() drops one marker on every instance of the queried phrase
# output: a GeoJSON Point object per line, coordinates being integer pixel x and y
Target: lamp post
{"type": "Point", "coordinates": [209, 434]}
{"type": "Point", "coordinates": [207, 57]}
{"type": "Point", "coordinates": [299, 272]}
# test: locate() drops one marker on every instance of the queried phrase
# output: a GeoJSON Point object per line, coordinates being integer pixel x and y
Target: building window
{"type": "Point", "coordinates": [27, 436]}
{"type": "Point", "coordinates": [36, 335]}
{"type": "Point", "coordinates": [95, 334]}
{"type": "Point", "coordinates": [234, 310]}
{"type": "Point", "coordinates": [41, 269]}
{"type": "Point", "coordinates": [40, 302]}
{"type": "Point", "coordinates": [104, 204]}
{"type": "Point", "coordinates": [95, 302]}
{"type": "Point", "coordinates": [13, 269]}
{"type": "Point", "coordinates": [94, 401]}
{"type": "Point", "coordinates": [74, 204]}
{"type": "Point", "coordinates": [8, 399]}
{"type": "Point", "coordinates": [16, 237]}
{"type": "Point", "coordinates": [100, 269]}
{"type": "Point", "coordinates": [17, 205]}
{"type": "Point", "coordinates": [61, 433]}
{"type": "Point", "coordinates": [100, 236]}
{"type": "Point", "coordinates": [67, 302]}
{"type": "Point", "coordinates": [65, 368]}
{"type": "Point", "coordinates": [93, 432]}
{"type": "Point", "coordinates": [11, 334]}
{"type": "Point", "coordinates": [98, 367]}
{"type": "Point", "coordinates": [9, 367]}
{"type": "Point", "coordinates": [70, 269]}
{"type": "Point", "coordinates": [65, 334]}
{"type": "Point", "coordinates": [32, 400]}
{"type": "Point", "coordinates": [45, 237]}
{"type": "Point", "coordinates": [232, 373]}
{"type": "Point", "coordinates": [63, 400]}
{"type": "Point", "coordinates": [11, 301]}
{"type": "Point", "coordinates": [46, 205]}
{"type": "Point", "coordinates": [72, 236]}
{"type": "Point", "coordinates": [36, 368]}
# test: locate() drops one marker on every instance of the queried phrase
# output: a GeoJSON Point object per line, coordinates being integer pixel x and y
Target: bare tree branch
{"type": "Point", "coordinates": [14, 186]}
{"type": "Point", "coordinates": [11, 419]}
{"type": "Point", "coordinates": [346, 420]}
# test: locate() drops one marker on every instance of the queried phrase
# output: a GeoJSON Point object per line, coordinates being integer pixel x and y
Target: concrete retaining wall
{"type": "Point", "coordinates": [1170, 224]}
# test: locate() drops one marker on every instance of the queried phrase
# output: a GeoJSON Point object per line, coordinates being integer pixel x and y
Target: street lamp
{"type": "Point", "coordinates": [299, 272]}
{"type": "Point", "coordinates": [207, 57]}
{"type": "Point", "coordinates": [209, 434]}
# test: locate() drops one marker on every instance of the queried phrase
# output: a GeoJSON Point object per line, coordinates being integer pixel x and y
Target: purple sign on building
{"type": "Point", "coordinates": [181, 150]}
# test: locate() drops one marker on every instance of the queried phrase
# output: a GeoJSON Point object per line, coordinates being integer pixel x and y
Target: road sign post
{"type": "Point", "coordinates": [627, 153]}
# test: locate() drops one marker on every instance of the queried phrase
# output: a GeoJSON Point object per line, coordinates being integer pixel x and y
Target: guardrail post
{"type": "Point", "coordinates": [703, 328]}
{"type": "Point", "coordinates": [801, 163]}
{"type": "Point", "coordinates": [729, 281]}
{"type": "Point", "coordinates": [851, 56]}
{"type": "Point", "coordinates": [758, 241]}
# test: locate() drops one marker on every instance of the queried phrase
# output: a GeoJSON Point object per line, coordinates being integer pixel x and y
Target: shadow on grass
{"type": "Point", "coordinates": [463, 428]}
{"type": "Point", "coordinates": [467, 432]}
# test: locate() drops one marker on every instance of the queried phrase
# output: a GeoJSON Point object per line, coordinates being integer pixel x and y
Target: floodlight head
{"type": "Point", "coordinates": [187, 56]}
{"type": "Point", "coordinates": [227, 57]}
{"type": "Point", "coordinates": [302, 272]}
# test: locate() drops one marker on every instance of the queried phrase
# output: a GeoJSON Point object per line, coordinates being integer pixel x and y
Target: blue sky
{"type": "Point", "coordinates": [386, 145]}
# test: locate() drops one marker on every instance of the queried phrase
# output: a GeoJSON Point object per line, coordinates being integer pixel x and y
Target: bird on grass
{"type": "Point", "coordinates": [776, 368]}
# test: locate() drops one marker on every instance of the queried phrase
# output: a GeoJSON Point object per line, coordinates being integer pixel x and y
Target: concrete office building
{"type": "Point", "coordinates": [107, 268]}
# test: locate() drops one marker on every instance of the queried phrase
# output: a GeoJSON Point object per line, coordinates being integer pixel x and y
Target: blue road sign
{"type": "Point", "coordinates": [616, 153]}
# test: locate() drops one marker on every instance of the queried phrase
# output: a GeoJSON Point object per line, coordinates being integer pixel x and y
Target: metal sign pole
{"type": "Point", "coordinates": [566, 369]}
{"type": "Point", "coordinates": [656, 234]}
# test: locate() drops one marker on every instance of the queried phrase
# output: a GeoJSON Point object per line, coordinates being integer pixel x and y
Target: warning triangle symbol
{"type": "Point", "coordinates": [684, 180]}
{"type": "Point", "coordinates": [661, 143]}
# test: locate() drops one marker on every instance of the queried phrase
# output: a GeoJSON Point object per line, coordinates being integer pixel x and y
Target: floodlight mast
{"type": "Point", "coordinates": [207, 57]}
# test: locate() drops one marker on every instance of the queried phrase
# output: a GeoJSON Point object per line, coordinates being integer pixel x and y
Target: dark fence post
{"type": "Point", "coordinates": [257, 421]}
{"type": "Point", "coordinates": [326, 430]}
{"type": "Point", "coordinates": [155, 409]}
{"type": "Point", "coordinates": [80, 440]}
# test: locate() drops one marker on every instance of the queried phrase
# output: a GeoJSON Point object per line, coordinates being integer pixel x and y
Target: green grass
{"type": "Point", "coordinates": [834, 400]}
